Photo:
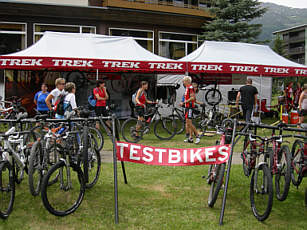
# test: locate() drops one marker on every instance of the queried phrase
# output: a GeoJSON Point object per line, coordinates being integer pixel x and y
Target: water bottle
{"type": "Point", "coordinates": [61, 130]}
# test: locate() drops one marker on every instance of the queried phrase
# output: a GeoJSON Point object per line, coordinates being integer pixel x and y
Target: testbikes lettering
{"type": "Point", "coordinates": [170, 156]}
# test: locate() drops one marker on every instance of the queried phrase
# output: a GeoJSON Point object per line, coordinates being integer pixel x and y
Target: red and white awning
{"type": "Point", "coordinates": [241, 58]}
{"type": "Point", "coordinates": [88, 52]}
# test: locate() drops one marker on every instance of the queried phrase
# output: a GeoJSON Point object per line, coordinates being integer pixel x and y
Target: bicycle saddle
{"type": "Point", "coordinates": [304, 125]}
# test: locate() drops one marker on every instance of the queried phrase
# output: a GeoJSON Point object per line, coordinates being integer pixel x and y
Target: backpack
{"type": "Point", "coordinates": [91, 101]}
{"type": "Point", "coordinates": [133, 97]}
{"type": "Point", "coordinates": [59, 105]}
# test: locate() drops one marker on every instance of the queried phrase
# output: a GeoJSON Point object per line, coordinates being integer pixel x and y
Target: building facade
{"type": "Point", "coordinates": [169, 28]}
{"type": "Point", "coordinates": [295, 43]}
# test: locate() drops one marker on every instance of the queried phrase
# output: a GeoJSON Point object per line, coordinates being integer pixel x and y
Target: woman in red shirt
{"type": "Point", "coordinates": [101, 96]}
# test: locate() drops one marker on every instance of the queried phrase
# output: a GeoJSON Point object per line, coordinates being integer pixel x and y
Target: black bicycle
{"type": "Point", "coordinates": [164, 127]}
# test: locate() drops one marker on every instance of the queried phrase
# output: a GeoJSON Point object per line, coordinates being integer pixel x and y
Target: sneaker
{"type": "Point", "coordinates": [188, 140]}
{"type": "Point", "coordinates": [197, 140]}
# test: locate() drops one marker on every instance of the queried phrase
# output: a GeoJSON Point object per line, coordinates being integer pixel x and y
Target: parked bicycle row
{"type": "Point", "coordinates": [60, 156]}
{"type": "Point", "coordinates": [267, 160]}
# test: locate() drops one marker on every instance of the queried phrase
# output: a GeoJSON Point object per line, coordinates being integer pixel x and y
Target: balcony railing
{"type": "Point", "coordinates": [297, 50]}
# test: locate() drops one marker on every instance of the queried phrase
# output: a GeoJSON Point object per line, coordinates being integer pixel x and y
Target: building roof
{"type": "Point", "coordinates": [291, 28]}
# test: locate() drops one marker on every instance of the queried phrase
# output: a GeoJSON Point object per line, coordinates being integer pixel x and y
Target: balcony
{"type": "Point", "coordinates": [297, 50]}
{"type": "Point", "coordinates": [186, 7]}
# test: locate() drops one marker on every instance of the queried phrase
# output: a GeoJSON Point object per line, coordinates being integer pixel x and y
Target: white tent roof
{"type": "Point", "coordinates": [124, 52]}
{"type": "Point", "coordinates": [236, 57]}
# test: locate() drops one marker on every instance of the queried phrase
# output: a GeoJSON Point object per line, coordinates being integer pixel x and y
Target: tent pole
{"type": "Point", "coordinates": [97, 74]}
{"type": "Point", "coordinates": [115, 170]}
{"type": "Point", "coordinates": [260, 102]}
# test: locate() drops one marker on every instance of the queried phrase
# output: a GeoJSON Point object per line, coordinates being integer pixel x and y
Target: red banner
{"type": "Point", "coordinates": [36, 63]}
{"type": "Point", "coordinates": [150, 155]}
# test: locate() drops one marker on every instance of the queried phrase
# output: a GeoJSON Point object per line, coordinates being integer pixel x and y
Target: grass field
{"type": "Point", "coordinates": [160, 198]}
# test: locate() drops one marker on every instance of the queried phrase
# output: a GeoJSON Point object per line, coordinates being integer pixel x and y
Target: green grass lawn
{"type": "Point", "coordinates": [160, 198]}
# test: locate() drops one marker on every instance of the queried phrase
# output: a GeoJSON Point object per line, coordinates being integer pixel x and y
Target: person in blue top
{"type": "Point", "coordinates": [39, 99]}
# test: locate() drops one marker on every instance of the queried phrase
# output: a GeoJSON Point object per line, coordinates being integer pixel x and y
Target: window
{"type": "Point", "coordinates": [12, 37]}
{"type": "Point", "coordinates": [143, 37]}
{"type": "Point", "coordinates": [39, 29]}
{"type": "Point", "coordinates": [175, 45]}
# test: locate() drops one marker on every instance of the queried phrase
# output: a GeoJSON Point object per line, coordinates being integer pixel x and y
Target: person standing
{"type": "Point", "coordinates": [297, 94]}
{"type": "Point", "coordinates": [55, 93]}
{"type": "Point", "coordinates": [288, 94]}
{"type": "Point", "coordinates": [248, 95]}
{"type": "Point", "coordinates": [302, 104]}
{"type": "Point", "coordinates": [39, 99]}
{"type": "Point", "coordinates": [141, 101]}
{"type": "Point", "coordinates": [101, 95]}
{"type": "Point", "coordinates": [189, 105]}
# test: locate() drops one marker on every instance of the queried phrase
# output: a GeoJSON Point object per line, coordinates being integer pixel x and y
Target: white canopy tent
{"type": "Point", "coordinates": [241, 58]}
{"type": "Point", "coordinates": [89, 52]}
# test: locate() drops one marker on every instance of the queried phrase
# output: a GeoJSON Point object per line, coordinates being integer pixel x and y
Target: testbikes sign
{"type": "Point", "coordinates": [172, 156]}
{"type": "Point", "coordinates": [88, 64]}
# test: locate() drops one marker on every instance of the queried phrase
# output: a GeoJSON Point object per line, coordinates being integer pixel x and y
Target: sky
{"type": "Point", "coordinates": [290, 3]}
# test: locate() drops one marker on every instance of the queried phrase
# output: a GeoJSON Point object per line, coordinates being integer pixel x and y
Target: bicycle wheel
{"type": "Point", "coordinates": [180, 123]}
{"type": "Point", "coordinates": [261, 192]}
{"type": "Point", "coordinates": [213, 96]}
{"type": "Point", "coordinates": [129, 132]}
{"type": "Point", "coordinates": [245, 160]}
{"type": "Point", "coordinates": [216, 177]}
{"type": "Point", "coordinates": [94, 164]}
{"type": "Point", "coordinates": [7, 189]}
{"type": "Point", "coordinates": [283, 176]}
{"type": "Point", "coordinates": [95, 133]}
{"type": "Point", "coordinates": [165, 128]}
{"type": "Point", "coordinates": [36, 167]}
{"type": "Point", "coordinates": [65, 195]}
{"type": "Point", "coordinates": [297, 161]}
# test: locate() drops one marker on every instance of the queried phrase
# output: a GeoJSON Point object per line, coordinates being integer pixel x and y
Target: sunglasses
{"type": "Point", "coordinates": [61, 83]}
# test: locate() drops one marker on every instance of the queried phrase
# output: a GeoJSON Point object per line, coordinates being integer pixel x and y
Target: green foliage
{"type": "Point", "coordinates": [232, 21]}
{"type": "Point", "coordinates": [278, 46]}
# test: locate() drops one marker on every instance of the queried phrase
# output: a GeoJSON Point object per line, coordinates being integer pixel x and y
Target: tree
{"type": "Point", "coordinates": [278, 45]}
{"type": "Point", "coordinates": [231, 21]}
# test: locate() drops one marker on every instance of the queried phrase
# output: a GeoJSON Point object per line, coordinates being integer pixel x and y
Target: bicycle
{"type": "Point", "coordinates": [164, 127]}
{"type": "Point", "coordinates": [213, 96]}
{"type": "Point", "coordinates": [216, 172]}
{"type": "Point", "coordinates": [278, 158]}
{"type": "Point", "coordinates": [299, 160]}
{"type": "Point", "coordinates": [261, 184]}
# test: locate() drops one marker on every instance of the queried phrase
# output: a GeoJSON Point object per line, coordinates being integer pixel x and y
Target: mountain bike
{"type": "Point", "coordinates": [164, 127]}
{"type": "Point", "coordinates": [216, 171]}
{"type": "Point", "coordinates": [261, 185]}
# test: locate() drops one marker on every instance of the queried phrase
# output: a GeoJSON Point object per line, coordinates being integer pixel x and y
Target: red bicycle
{"type": "Point", "coordinates": [216, 172]}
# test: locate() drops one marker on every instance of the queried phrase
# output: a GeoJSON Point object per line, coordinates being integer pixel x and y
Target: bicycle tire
{"type": "Point", "coordinates": [6, 179]}
{"type": "Point", "coordinates": [216, 183]}
{"type": "Point", "coordinates": [35, 168]}
{"type": "Point", "coordinates": [94, 162]}
{"type": "Point", "coordinates": [168, 127]}
{"type": "Point", "coordinates": [129, 128]}
{"type": "Point", "coordinates": [266, 188]}
{"type": "Point", "coordinates": [213, 96]}
{"type": "Point", "coordinates": [246, 169]}
{"type": "Point", "coordinates": [281, 195]}
{"type": "Point", "coordinates": [49, 190]}
{"type": "Point", "coordinates": [180, 123]}
{"type": "Point", "coordinates": [98, 137]}
{"type": "Point", "coordinates": [297, 159]}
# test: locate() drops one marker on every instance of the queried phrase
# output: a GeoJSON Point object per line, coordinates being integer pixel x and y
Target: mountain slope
{"type": "Point", "coordinates": [279, 17]}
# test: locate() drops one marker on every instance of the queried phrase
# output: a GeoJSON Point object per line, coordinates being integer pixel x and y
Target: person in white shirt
{"type": "Point", "coordinates": [54, 94]}
{"type": "Point", "coordinates": [70, 99]}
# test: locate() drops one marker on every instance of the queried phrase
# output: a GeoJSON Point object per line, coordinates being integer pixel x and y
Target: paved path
{"type": "Point", "coordinates": [107, 157]}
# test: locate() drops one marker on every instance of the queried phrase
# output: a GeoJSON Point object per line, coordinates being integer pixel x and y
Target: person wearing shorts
{"type": "Point", "coordinates": [141, 101]}
{"type": "Point", "coordinates": [302, 104]}
{"type": "Point", "coordinates": [189, 105]}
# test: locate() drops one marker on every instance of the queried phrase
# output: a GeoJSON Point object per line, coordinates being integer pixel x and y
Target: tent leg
{"type": "Point", "coordinates": [228, 172]}
{"type": "Point", "coordinates": [97, 72]}
{"type": "Point", "coordinates": [115, 171]}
